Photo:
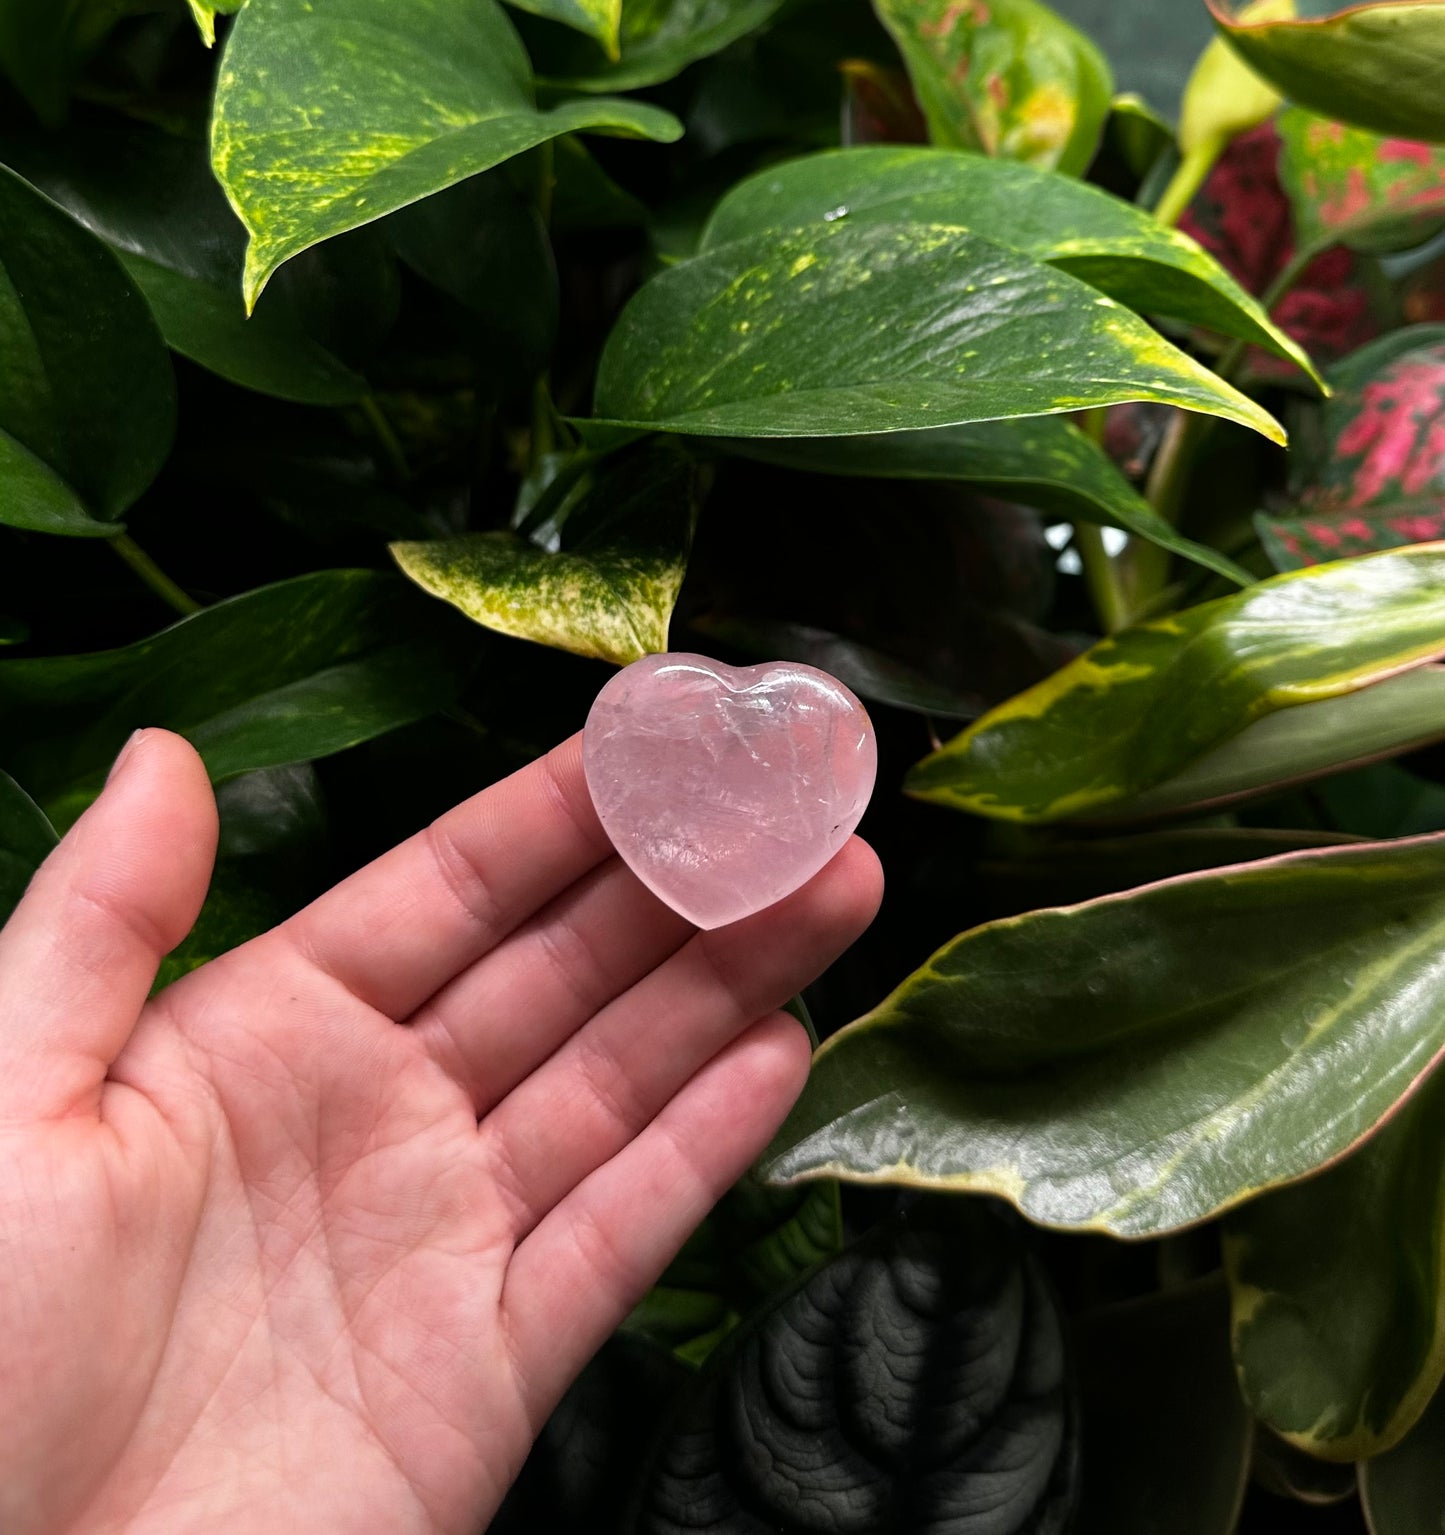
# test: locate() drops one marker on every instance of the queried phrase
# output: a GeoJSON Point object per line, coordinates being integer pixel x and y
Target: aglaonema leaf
{"type": "Point", "coordinates": [607, 591]}
{"type": "Point", "coordinates": [1403, 1490]}
{"type": "Point", "coordinates": [1338, 1289]}
{"type": "Point", "coordinates": [1140, 1063]}
{"type": "Point", "coordinates": [1353, 187]}
{"type": "Point", "coordinates": [87, 400]}
{"type": "Point", "coordinates": [844, 329]}
{"type": "Point", "coordinates": [152, 198]}
{"type": "Point", "coordinates": [1008, 77]}
{"type": "Point", "coordinates": [1371, 473]}
{"type": "Point", "coordinates": [1100, 239]}
{"type": "Point", "coordinates": [600, 20]}
{"type": "Point", "coordinates": [919, 1373]}
{"type": "Point", "coordinates": [328, 118]}
{"type": "Point", "coordinates": [1377, 66]}
{"type": "Point", "coordinates": [1140, 707]}
{"type": "Point", "coordinates": [26, 838]}
{"type": "Point", "coordinates": [282, 674]}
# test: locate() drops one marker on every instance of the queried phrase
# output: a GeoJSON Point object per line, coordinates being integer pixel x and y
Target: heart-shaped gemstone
{"type": "Point", "coordinates": [725, 788]}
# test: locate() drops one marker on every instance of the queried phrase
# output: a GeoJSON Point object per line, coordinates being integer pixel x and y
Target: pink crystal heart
{"type": "Point", "coordinates": [725, 788]}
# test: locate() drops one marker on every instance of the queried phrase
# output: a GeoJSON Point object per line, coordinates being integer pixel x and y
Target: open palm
{"type": "Point", "coordinates": [317, 1237]}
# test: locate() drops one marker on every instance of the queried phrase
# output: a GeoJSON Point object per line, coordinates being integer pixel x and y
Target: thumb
{"type": "Point", "coordinates": [79, 955]}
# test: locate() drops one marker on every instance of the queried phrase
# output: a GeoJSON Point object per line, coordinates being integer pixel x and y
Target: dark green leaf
{"type": "Point", "coordinates": [43, 43]}
{"type": "Point", "coordinates": [87, 402]}
{"type": "Point", "coordinates": [1043, 461]}
{"type": "Point", "coordinates": [1403, 1490]}
{"type": "Point", "coordinates": [326, 119]}
{"type": "Point", "coordinates": [26, 838]}
{"type": "Point", "coordinates": [919, 1374]}
{"type": "Point", "coordinates": [1141, 707]}
{"type": "Point", "coordinates": [1142, 1062]}
{"type": "Point", "coordinates": [1376, 66]}
{"type": "Point", "coordinates": [1339, 1291]}
{"type": "Point", "coordinates": [849, 328]}
{"type": "Point", "coordinates": [1168, 1452]}
{"type": "Point", "coordinates": [1008, 77]}
{"type": "Point", "coordinates": [608, 591]}
{"type": "Point", "coordinates": [1090, 234]}
{"type": "Point", "coordinates": [658, 39]}
{"type": "Point", "coordinates": [282, 674]}
{"type": "Point", "coordinates": [584, 196]}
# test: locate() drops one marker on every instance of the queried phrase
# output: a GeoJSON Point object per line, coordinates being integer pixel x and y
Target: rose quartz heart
{"type": "Point", "coordinates": [725, 788]}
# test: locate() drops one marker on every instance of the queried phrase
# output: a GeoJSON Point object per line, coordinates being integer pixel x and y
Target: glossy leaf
{"type": "Point", "coordinates": [1171, 1455]}
{"type": "Point", "coordinates": [1375, 65]}
{"type": "Point", "coordinates": [1142, 706]}
{"type": "Point", "coordinates": [1339, 1291]}
{"type": "Point", "coordinates": [1403, 1491]}
{"type": "Point", "coordinates": [87, 401]}
{"type": "Point", "coordinates": [1008, 77]}
{"type": "Point", "coordinates": [1044, 461]}
{"type": "Point", "coordinates": [26, 838]}
{"type": "Point", "coordinates": [282, 674]}
{"type": "Point", "coordinates": [597, 19]}
{"type": "Point", "coordinates": [844, 329]}
{"type": "Point", "coordinates": [607, 592]}
{"type": "Point", "coordinates": [205, 13]}
{"type": "Point", "coordinates": [1356, 188]}
{"type": "Point", "coordinates": [326, 119]}
{"type": "Point", "coordinates": [919, 1373]}
{"type": "Point", "coordinates": [1232, 1031]}
{"type": "Point", "coordinates": [1295, 745]}
{"type": "Point", "coordinates": [1100, 239]}
{"type": "Point", "coordinates": [658, 39]}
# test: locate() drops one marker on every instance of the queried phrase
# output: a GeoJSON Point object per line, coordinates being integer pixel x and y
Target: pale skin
{"type": "Point", "coordinates": [317, 1237]}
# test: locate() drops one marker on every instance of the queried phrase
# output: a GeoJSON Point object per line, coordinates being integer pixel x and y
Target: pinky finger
{"type": "Point", "coordinates": [589, 1261]}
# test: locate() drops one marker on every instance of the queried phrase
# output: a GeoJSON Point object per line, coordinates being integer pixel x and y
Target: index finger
{"type": "Point", "coordinates": [398, 930]}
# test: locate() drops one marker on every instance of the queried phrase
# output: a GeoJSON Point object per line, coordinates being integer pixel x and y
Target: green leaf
{"type": "Point", "coordinates": [1008, 77]}
{"type": "Point", "coordinates": [1043, 461]}
{"type": "Point", "coordinates": [845, 329]}
{"type": "Point", "coordinates": [1172, 1454]}
{"type": "Point", "coordinates": [608, 591]}
{"type": "Point", "coordinates": [1140, 1063]}
{"type": "Point", "coordinates": [1224, 98]}
{"type": "Point", "coordinates": [1403, 1490]}
{"type": "Point", "coordinates": [919, 1373]}
{"type": "Point", "coordinates": [43, 44]}
{"type": "Point", "coordinates": [1338, 1291]}
{"type": "Point", "coordinates": [205, 13]}
{"type": "Point", "coordinates": [1351, 187]}
{"type": "Point", "coordinates": [26, 838]}
{"type": "Point", "coordinates": [328, 118]}
{"type": "Point", "coordinates": [658, 39]}
{"type": "Point", "coordinates": [1375, 66]}
{"type": "Point", "coordinates": [87, 401]}
{"type": "Point", "coordinates": [1145, 704]}
{"type": "Point", "coordinates": [598, 19]}
{"type": "Point", "coordinates": [1295, 745]}
{"type": "Point", "coordinates": [1098, 238]}
{"type": "Point", "coordinates": [282, 674]}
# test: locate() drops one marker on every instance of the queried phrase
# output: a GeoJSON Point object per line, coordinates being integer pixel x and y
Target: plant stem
{"type": "Point", "coordinates": [1101, 576]}
{"type": "Point", "coordinates": [385, 436]}
{"type": "Point", "coordinates": [1193, 171]}
{"type": "Point", "coordinates": [160, 583]}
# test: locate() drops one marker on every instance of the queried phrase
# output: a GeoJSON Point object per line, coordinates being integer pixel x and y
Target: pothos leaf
{"type": "Point", "coordinates": [919, 1373]}
{"type": "Point", "coordinates": [1237, 1030]}
{"type": "Point", "coordinates": [326, 118]}
{"type": "Point", "coordinates": [1008, 77]}
{"type": "Point", "coordinates": [26, 838]}
{"type": "Point", "coordinates": [205, 13]}
{"type": "Point", "coordinates": [1339, 1291]}
{"type": "Point", "coordinates": [608, 591]}
{"type": "Point", "coordinates": [1403, 1490]}
{"type": "Point", "coordinates": [1142, 705]}
{"type": "Point", "coordinates": [600, 20]}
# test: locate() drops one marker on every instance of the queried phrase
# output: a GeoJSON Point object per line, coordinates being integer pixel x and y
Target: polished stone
{"type": "Point", "coordinates": [725, 788]}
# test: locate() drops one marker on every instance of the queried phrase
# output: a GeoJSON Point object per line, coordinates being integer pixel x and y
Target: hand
{"type": "Point", "coordinates": [316, 1238]}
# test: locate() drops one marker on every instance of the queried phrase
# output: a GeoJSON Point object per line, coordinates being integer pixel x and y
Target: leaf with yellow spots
{"type": "Point", "coordinates": [607, 592]}
{"type": "Point", "coordinates": [844, 329]}
{"type": "Point", "coordinates": [1144, 1061]}
{"type": "Point", "coordinates": [1142, 706]}
{"type": "Point", "coordinates": [327, 117]}
{"type": "Point", "coordinates": [1340, 1345]}
{"type": "Point", "coordinates": [1008, 77]}
{"type": "Point", "coordinates": [600, 20]}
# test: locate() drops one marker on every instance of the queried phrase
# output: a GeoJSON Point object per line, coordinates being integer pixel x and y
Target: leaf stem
{"type": "Point", "coordinates": [173, 595]}
{"type": "Point", "coordinates": [387, 439]}
{"type": "Point", "coordinates": [1193, 171]}
{"type": "Point", "coordinates": [1101, 576]}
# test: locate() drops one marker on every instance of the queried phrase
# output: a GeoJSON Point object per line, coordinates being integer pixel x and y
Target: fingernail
{"type": "Point", "coordinates": [126, 752]}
